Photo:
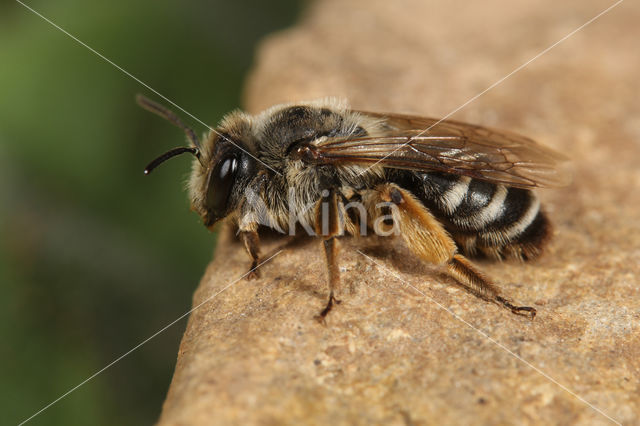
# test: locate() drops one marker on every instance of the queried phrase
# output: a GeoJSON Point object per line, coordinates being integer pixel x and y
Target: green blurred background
{"type": "Point", "coordinates": [95, 257]}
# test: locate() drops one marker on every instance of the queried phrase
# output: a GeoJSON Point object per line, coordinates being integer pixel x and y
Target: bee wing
{"type": "Point", "coordinates": [449, 146]}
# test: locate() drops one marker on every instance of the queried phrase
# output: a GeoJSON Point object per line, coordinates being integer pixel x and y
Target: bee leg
{"type": "Point", "coordinates": [327, 225]}
{"type": "Point", "coordinates": [426, 236]}
{"type": "Point", "coordinates": [251, 242]}
{"type": "Point", "coordinates": [330, 249]}
{"type": "Point", "coordinates": [467, 274]}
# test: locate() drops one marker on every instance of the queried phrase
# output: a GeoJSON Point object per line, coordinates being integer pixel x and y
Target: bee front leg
{"type": "Point", "coordinates": [251, 242]}
{"type": "Point", "coordinates": [327, 225]}
{"type": "Point", "coordinates": [248, 224]}
{"type": "Point", "coordinates": [426, 237]}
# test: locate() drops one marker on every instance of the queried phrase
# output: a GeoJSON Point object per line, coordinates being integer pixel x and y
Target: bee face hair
{"type": "Point", "coordinates": [228, 163]}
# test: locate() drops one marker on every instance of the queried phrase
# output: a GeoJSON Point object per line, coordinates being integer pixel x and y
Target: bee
{"type": "Point", "coordinates": [452, 190]}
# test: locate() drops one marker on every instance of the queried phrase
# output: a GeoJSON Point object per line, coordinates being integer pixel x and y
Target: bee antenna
{"type": "Point", "coordinates": [168, 115]}
{"type": "Point", "coordinates": [170, 154]}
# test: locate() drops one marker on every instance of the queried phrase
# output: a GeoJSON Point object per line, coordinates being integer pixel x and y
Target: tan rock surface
{"type": "Point", "coordinates": [391, 354]}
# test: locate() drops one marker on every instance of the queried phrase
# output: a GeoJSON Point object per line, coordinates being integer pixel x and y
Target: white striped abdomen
{"type": "Point", "coordinates": [482, 217]}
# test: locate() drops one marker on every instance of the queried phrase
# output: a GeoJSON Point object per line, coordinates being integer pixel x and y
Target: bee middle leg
{"type": "Point", "coordinates": [327, 226]}
{"type": "Point", "coordinates": [426, 237]}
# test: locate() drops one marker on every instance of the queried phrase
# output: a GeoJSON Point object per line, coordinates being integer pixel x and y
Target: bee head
{"type": "Point", "coordinates": [216, 187]}
{"type": "Point", "coordinates": [221, 169]}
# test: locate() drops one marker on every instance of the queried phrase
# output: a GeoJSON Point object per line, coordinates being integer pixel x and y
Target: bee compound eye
{"type": "Point", "coordinates": [228, 168]}
{"type": "Point", "coordinates": [220, 183]}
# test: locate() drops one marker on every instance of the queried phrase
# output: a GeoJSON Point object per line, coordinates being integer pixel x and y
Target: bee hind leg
{"type": "Point", "coordinates": [426, 237]}
{"type": "Point", "coordinates": [478, 283]}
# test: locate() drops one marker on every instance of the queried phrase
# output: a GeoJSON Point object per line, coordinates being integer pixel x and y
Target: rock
{"type": "Point", "coordinates": [407, 345]}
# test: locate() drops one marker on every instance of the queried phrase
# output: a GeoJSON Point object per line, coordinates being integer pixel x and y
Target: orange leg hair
{"type": "Point", "coordinates": [426, 237]}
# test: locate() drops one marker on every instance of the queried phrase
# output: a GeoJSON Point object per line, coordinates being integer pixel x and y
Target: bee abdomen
{"type": "Point", "coordinates": [486, 218]}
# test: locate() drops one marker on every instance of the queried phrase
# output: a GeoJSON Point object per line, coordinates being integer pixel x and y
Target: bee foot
{"type": "Point", "coordinates": [525, 311]}
{"type": "Point", "coordinates": [252, 275]}
{"type": "Point", "coordinates": [518, 310]}
{"type": "Point", "coordinates": [322, 315]}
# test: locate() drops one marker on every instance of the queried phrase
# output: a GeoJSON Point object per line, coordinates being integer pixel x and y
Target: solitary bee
{"type": "Point", "coordinates": [447, 187]}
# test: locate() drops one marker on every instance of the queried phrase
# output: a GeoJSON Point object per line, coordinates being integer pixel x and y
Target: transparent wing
{"type": "Point", "coordinates": [448, 146]}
